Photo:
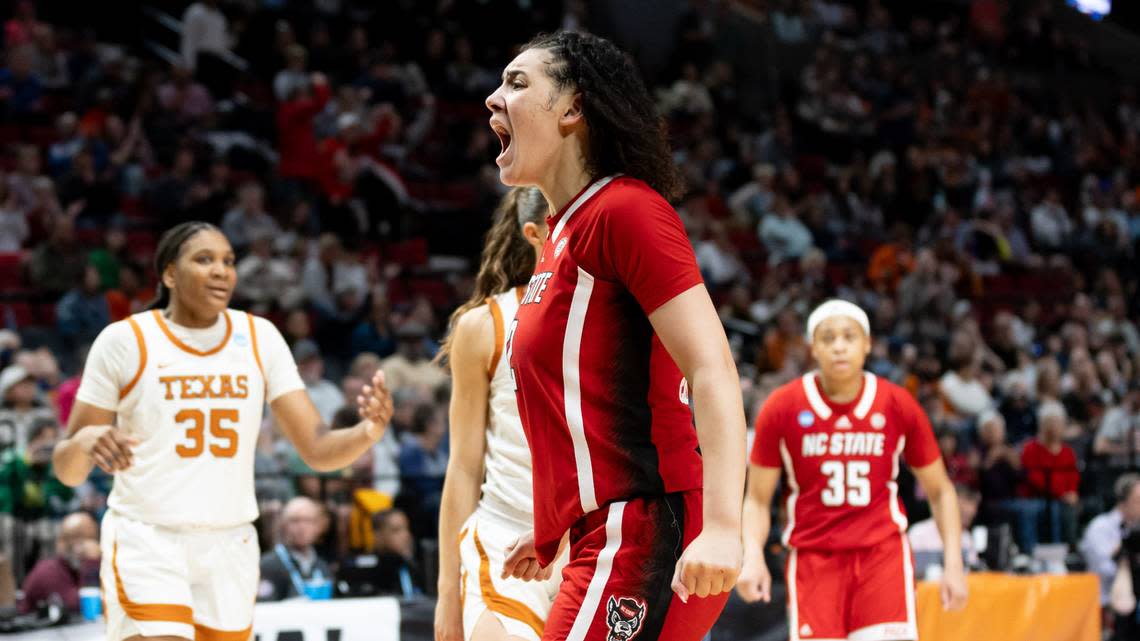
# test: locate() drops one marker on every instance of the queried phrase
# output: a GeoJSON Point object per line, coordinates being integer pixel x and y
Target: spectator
{"type": "Point", "coordinates": [30, 491]}
{"type": "Point", "coordinates": [265, 281]}
{"type": "Point", "coordinates": [1000, 471]}
{"type": "Point", "coordinates": [961, 466]}
{"type": "Point", "coordinates": [296, 142]}
{"type": "Point", "coordinates": [782, 233]}
{"type": "Point", "coordinates": [93, 193]}
{"type": "Point", "coordinates": [83, 312]}
{"type": "Point", "coordinates": [391, 568]}
{"type": "Point", "coordinates": [129, 296]}
{"type": "Point", "coordinates": [203, 31]}
{"type": "Point", "coordinates": [423, 462]}
{"type": "Point", "coordinates": [109, 258]}
{"type": "Point", "coordinates": [1018, 410]}
{"type": "Point", "coordinates": [375, 335]}
{"type": "Point", "coordinates": [328, 271]}
{"type": "Point", "coordinates": [326, 397]}
{"type": "Point", "coordinates": [20, 89]}
{"type": "Point", "coordinates": [74, 565]}
{"type": "Point", "coordinates": [21, 405]}
{"type": "Point", "coordinates": [294, 560]}
{"type": "Point", "coordinates": [411, 365]}
{"type": "Point", "coordinates": [1051, 224]}
{"type": "Point", "coordinates": [1100, 544]}
{"type": "Point", "coordinates": [168, 197]}
{"type": "Point", "coordinates": [962, 387]}
{"type": "Point", "coordinates": [717, 258]}
{"type": "Point", "coordinates": [1051, 481]}
{"type": "Point", "coordinates": [13, 220]}
{"type": "Point", "coordinates": [924, 536]}
{"type": "Point", "coordinates": [249, 218]}
{"type": "Point", "coordinates": [751, 201]}
{"type": "Point", "coordinates": [188, 100]}
{"type": "Point", "coordinates": [24, 177]}
{"type": "Point", "coordinates": [23, 27]}
{"type": "Point", "coordinates": [293, 77]}
{"type": "Point", "coordinates": [1118, 437]}
{"type": "Point", "coordinates": [56, 265]}
{"type": "Point", "coordinates": [784, 344]}
{"type": "Point", "coordinates": [65, 393]}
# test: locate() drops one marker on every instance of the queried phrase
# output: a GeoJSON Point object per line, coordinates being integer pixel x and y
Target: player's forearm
{"type": "Point", "coordinates": [460, 497]}
{"type": "Point", "coordinates": [332, 450]}
{"type": "Point", "coordinates": [944, 507]}
{"type": "Point", "coordinates": [719, 413]}
{"type": "Point", "coordinates": [69, 463]}
{"type": "Point", "coordinates": [757, 522]}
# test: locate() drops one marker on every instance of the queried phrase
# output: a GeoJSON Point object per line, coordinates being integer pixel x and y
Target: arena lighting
{"type": "Point", "coordinates": [1095, 9]}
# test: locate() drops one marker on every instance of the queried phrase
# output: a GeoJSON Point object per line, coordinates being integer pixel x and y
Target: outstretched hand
{"type": "Point", "coordinates": [375, 405]}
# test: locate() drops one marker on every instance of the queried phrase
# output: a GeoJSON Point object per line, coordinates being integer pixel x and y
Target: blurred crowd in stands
{"type": "Point", "coordinates": [967, 171]}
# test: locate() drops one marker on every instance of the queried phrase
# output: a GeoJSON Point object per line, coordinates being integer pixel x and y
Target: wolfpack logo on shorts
{"type": "Point", "coordinates": [624, 617]}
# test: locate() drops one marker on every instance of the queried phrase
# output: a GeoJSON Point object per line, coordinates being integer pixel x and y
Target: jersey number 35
{"type": "Point", "coordinates": [223, 437]}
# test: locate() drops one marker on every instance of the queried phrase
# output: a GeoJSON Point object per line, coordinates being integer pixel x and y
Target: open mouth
{"type": "Point", "coordinates": [504, 138]}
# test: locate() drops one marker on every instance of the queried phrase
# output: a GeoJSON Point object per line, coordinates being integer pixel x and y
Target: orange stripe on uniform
{"type": "Point", "coordinates": [204, 633]}
{"type": "Point", "coordinates": [497, 317]}
{"type": "Point", "coordinates": [498, 603]}
{"type": "Point", "coordinates": [170, 612]}
{"type": "Point", "coordinates": [253, 341]}
{"type": "Point", "coordinates": [142, 357]}
{"type": "Point", "coordinates": [186, 348]}
{"type": "Point", "coordinates": [257, 353]}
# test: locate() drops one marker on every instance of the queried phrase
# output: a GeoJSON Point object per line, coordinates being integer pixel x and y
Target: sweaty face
{"type": "Point", "coordinates": [203, 276]}
{"type": "Point", "coordinates": [526, 111]}
{"type": "Point", "coordinates": [840, 346]}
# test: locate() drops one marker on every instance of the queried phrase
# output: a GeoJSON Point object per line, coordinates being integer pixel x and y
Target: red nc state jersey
{"type": "Point", "coordinates": [842, 461]}
{"type": "Point", "coordinates": [604, 407]}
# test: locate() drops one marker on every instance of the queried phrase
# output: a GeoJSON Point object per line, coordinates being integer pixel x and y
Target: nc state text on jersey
{"type": "Point", "coordinates": [844, 444]}
{"type": "Point", "coordinates": [535, 288]}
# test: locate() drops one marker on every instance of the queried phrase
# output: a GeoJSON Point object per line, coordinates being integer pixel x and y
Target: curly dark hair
{"type": "Point", "coordinates": [627, 135]}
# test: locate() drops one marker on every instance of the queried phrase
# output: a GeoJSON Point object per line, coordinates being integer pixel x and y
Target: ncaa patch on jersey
{"type": "Point", "coordinates": [878, 421]}
{"type": "Point", "coordinates": [559, 247]}
{"type": "Point", "coordinates": [241, 340]}
{"type": "Point", "coordinates": [806, 419]}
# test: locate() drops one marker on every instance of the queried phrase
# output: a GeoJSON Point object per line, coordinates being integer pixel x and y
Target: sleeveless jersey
{"type": "Point", "coordinates": [507, 485]}
{"type": "Point", "coordinates": [196, 415]}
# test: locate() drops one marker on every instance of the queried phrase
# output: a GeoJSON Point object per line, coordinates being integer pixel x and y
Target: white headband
{"type": "Point", "coordinates": [836, 307]}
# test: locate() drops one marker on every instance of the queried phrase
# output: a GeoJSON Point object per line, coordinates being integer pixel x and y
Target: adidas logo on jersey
{"type": "Point", "coordinates": [843, 423]}
{"type": "Point", "coordinates": [805, 630]}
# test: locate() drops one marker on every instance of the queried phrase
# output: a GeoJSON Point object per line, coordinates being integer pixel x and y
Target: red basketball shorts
{"type": "Point", "coordinates": [863, 594]}
{"type": "Point", "coordinates": [617, 584]}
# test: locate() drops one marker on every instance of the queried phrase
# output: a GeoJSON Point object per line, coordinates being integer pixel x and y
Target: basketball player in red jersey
{"type": "Point", "coordinates": [614, 335]}
{"type": "Point", "coordinates": [838, 434]}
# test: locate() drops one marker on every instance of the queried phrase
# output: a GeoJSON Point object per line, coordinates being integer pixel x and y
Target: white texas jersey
{"type": "Point", "coordinates": [507, 485]}
{"type": "Point", "coordinates": [196, 415]}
